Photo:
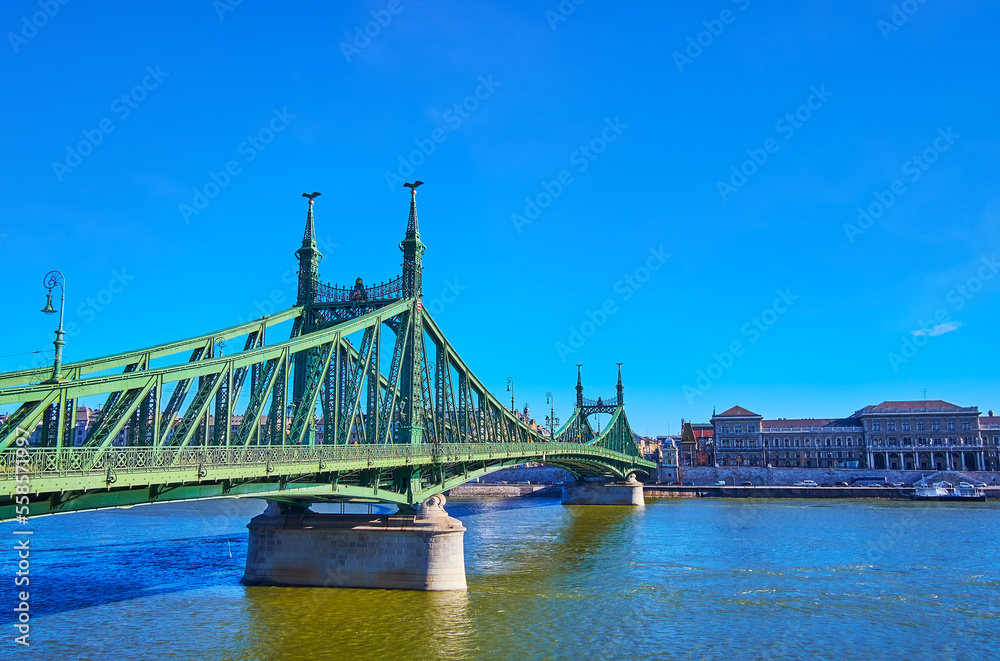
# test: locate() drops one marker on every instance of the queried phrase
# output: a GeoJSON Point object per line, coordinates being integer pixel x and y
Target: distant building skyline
{"type": "Point", "coordinates": [893, 435]}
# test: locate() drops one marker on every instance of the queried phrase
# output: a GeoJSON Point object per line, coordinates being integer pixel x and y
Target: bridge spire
{"type": "Point", "coordinates": [579, 387]}
{"type": "Point", "coordinates": [412, 249]}
{"type": "Point", "coordinates": [411, 387]}
{"type": "Point", "coordinates": [309, 257]}
{"type": "Point", "coordinates": [621, 398]}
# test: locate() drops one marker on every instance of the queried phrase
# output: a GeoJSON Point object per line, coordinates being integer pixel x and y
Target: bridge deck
{"type": "Point", "coordinates": [85, 478]}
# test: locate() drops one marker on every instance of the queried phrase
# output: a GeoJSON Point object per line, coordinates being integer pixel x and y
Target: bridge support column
{"type": "Point", "coordinates": [294, 546]}
{"type": "Point", "coordinates": [602, 493]}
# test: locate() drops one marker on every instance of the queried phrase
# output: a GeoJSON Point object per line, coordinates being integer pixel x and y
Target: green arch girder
{"type": "Point", "coordinates": [466, 431]}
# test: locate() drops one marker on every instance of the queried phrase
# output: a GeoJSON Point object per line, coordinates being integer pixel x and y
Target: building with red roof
{"type": "Point", "coordinates": [896, 435]}
{"type": "Point", "coordinates": [696, 445]}
{"type": "Point", "coordinates": [737, 437]}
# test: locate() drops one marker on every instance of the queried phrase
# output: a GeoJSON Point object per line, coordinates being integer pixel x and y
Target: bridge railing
{"type": "Point", "coordinates": [49, 462]}
{"type": "Point", "coordinates": [327, 293]}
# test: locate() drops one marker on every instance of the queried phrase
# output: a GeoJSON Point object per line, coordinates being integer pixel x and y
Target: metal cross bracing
{"type": "Point", "coordinates": [349, 407]}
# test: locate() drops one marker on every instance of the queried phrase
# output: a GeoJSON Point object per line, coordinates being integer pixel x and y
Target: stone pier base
{"type": "Point", "coordinates": [599, 493]}
{"type": "Point", "coordinates": [294, 546]}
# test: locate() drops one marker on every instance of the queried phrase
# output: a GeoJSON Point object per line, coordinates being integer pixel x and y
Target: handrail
{"type": "Point", "coordinates": [40, 463]}
{"type": "Point", "coordinates": [609, 401]}
{"type": "Point", "coordinates": [326, 293]}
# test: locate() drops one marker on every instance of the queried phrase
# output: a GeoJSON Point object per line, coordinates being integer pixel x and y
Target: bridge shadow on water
{"type": "Point", "coordinates": [78, 561]}
{"type": "Point", "coordinates": [71, 578]}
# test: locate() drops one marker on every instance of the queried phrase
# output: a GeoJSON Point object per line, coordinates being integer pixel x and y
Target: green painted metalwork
{"type": "Point", "coordinates": [397, 430]}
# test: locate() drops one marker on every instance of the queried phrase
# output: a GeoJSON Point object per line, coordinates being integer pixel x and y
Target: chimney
{"type": "Point", "coordinates": [991, 413]}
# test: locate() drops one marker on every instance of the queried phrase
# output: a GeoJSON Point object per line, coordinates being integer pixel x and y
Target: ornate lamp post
{"type": "Point", "coordinates": [51, 280]}
{"type": "Point", "coordinates": [551, 419]}
{"type": "Point", "coordinates": [510, 389]}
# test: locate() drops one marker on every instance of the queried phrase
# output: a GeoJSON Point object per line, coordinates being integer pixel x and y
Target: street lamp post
{"type": "Point", "coordinates": [510, 389]}
{"type": "Point", "coordinates": [550, 400]}
{"type": "Point", "coordinates": [51, 280]}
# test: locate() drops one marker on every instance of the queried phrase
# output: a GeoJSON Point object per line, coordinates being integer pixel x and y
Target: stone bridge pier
{"type": "Point", "coordinates": [601, 492]}
{"type": "Point", "coordinates": [291, 545]}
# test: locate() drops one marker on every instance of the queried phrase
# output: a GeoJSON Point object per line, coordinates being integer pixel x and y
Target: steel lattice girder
{"type": "Point", "coordinates": [461, 437]}
{"type": "Point", "coordinates": [183, 374]}
{"type": "Point", "coordinates": [136, 379]}
{"type": "Point", "coordinates": [79, 369]}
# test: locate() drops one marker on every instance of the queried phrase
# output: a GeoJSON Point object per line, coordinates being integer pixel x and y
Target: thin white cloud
{"type": "Point", "coordinates": [940, 329]}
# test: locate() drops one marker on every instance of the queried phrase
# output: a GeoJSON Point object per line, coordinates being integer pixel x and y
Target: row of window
{"type": "Point", "coordinates": [923, 440]}
{"type": "Point", "coordinates": [890, 425]}
{"type": "Point", "coordinates": [791, 460]}
{"type": "Point", "coordinates": [738, 429]}
{"type": "Point", "coordinates": [823, 455]}
{"type": "Point", "coordinates": [739, 443]}
{"type": "Point", "coordinates": [738, 461]}
{"type": "Point", "coordinates": [839, 442]}
{"type": "Point", "coordinates": [785, 442]}
{"type": "Point", "coordinates": [828, 442]}
{"type": "Point", "coordinates": [905, 425]}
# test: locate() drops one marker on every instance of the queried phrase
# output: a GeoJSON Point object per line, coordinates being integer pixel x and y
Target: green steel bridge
{"type": "Point", "coordinates": [341, 411]}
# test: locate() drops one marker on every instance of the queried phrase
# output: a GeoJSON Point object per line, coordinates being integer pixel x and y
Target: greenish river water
{"type": "Point", "coordinates": [679, 579]}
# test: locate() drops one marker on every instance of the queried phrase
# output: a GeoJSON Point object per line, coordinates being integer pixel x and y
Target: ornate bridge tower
{"type": "Point", "coordinates": [579, 387]}
{"type": "Point", "coordinates": [413, 382]}
{"type": "Point", "coordinates": [621, 389]}
{"type": "Point", "coordinates": [413, 250]}
{"type": "Point", "coordinates": [309, 258]}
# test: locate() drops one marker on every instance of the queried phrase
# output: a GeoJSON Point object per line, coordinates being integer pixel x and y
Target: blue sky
{"type": "Point", "coordinates": [616, 121]}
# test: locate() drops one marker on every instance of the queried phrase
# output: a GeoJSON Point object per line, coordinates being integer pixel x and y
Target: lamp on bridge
{"type": "Point", "coordinates": [510, 389]}
{"type": "Point", "coordinates": [551, 419]}
{"type": "Point", "coordinates": [51, 280]}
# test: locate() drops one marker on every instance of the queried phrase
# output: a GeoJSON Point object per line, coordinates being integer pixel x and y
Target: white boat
{"type": "Point", "coordinates": [945, 491]}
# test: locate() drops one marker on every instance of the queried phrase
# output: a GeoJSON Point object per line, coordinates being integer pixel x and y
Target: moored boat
{"type": "Point", "coordinates": [945, 491]}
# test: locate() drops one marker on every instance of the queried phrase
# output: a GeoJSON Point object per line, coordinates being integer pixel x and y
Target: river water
{"type": "Point", "coordinates": [679, 579]}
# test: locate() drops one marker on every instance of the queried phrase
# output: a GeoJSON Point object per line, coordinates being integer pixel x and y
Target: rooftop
{"type": "Point", "coordinates": [918, 406]}
{"type": "Point", "coordinates": [736, 411]}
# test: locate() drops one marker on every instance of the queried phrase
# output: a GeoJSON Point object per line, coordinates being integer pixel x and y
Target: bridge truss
{"type": "Point", "coordinates": [365, 401]}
